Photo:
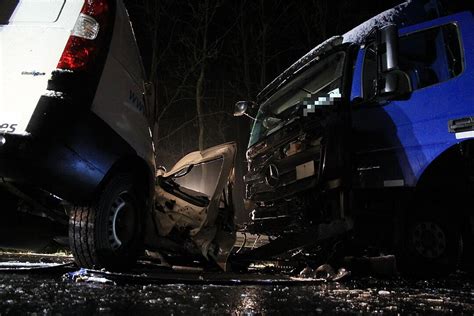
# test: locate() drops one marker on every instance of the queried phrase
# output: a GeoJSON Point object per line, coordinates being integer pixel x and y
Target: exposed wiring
{"type": "Point", "coordinates": [243, 244]}
{"type": "Point", "coordinates": [255, 242]}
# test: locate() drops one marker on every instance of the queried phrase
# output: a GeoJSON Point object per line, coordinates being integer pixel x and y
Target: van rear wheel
{"type": "Point", "coordinates": [109, 233]}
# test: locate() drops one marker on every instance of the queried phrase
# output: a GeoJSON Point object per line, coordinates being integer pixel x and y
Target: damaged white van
{"type": "Point", "coordinates": [76, 154]}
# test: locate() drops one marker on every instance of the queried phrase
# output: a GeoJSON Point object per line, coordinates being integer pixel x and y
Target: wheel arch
{"type": "Point", "coordinates": [448, 169]}
{"type": "Point", "coordinates": [143, 174]}
{"type": "Point", "coordinates": [441, 196]}
{"type": "Point", "coordinates": [449, 178]}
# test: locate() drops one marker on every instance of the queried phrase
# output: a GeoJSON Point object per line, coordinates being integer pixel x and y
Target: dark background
{"type": "Point", "coordinates": [204, 55]}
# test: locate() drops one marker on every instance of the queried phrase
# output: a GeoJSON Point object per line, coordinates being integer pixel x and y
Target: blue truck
{"type": "Point", "coordinates": [370, 137]}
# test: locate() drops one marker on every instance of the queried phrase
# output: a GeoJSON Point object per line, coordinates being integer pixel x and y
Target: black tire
{"type": "Point", "coordinates": [109, 234]}
{"type": "Point", "coordinates": [432, 244]}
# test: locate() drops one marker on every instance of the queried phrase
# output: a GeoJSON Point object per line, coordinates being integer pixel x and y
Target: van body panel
{"type": "Point", "coordinates": [30, 49]}
{"type": "Point", "coordinates": [37, 11]}
{"type": "Point", "coordinates": [66, 130]}
{"type": "Point", "coordinates": [73, 130]}
{"type": "Point", "coordinates": [120, 97]}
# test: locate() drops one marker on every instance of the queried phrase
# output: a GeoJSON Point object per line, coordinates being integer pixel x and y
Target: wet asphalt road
{"type": "Point", "coordinates": [47, 293]}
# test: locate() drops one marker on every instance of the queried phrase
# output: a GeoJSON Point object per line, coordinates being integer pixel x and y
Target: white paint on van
{"type": "Point", "coordinates": [123, 77]}
{"type": "Point", "coordinates": [32, 44]}
{"type": "Point", "coordinates": [37, 11]}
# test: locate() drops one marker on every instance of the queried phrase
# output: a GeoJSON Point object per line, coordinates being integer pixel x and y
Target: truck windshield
{"type": "Point", "coordinates": [314, 88]}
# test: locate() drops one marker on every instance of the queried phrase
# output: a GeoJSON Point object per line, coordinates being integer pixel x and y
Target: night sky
{"type": "Point", "coordinates": [212, 53]}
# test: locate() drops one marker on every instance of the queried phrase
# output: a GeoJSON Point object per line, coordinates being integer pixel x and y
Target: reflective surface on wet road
{"type": "Point", "coordinates": [50, 294]}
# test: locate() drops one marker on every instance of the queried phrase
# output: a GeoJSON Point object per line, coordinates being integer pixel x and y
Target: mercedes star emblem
{"type": "Point", "coordinates": [272, 177]}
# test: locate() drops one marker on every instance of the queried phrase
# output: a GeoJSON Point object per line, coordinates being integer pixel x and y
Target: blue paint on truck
{"type": "Point", "coordinates": [390, 162]}
{"type": "Point", "coordinates": [418, 131]}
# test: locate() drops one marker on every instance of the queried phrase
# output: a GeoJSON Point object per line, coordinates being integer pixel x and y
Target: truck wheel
{"type": "Point", "coordinates": [109, 233]}
{"type": "Point", "coordinates": [433, 246]}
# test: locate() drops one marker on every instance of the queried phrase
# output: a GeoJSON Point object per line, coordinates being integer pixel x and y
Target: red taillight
{"type": "Point", "coordinates": [85, 40]}
{"type": "Point", "coordinates": [77, 54]}
{"type": "Point", "coordinates": [98, 9]}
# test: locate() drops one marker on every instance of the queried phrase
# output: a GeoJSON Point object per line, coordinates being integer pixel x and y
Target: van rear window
{"type": "Point", "coordinates": [7, 7]}
{"type": "Point", "coordinates": [30, 11]}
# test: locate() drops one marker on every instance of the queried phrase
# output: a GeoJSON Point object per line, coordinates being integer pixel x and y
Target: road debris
{"type": "Point", "coordinates": [84, 276]}
{"type": "Point", "coordinates": [156, 275]}
{"type": "Point", "coordinates": [31, 267]}
{"type": "Point", "coordinates": [324, 273]}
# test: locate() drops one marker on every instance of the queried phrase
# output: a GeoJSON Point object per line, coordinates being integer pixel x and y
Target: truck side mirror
{"type": "Point", "coordinates": [395, 85]}
{"type": "Point", "coordinates": [241, 108]}
{"type": "Point", "coordinates": [388, 47]}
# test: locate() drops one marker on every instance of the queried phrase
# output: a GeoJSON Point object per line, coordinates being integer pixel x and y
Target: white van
{"type": "Point", "coordinates": [75, 145]}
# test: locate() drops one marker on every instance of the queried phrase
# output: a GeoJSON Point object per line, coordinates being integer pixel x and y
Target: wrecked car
{"type": "Point", "coordinates": [369, 138]}
{"type": "Point", "coordinates": [194, 216]}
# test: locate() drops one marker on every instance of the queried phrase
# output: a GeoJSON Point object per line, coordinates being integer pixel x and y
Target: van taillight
{"type": "Point", "coordinates": [86, 37]}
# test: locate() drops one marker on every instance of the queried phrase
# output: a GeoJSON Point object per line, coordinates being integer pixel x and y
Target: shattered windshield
{"type": "Point", "coordinates": [316, 87]}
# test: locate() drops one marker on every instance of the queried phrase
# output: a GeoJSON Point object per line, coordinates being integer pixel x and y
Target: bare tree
{"type": "Point", "coordinates": [313, 20]}
{"type": "Point", "coordinates": [185, 39]}
{"type": "Point", "coordinates": [203, 12]}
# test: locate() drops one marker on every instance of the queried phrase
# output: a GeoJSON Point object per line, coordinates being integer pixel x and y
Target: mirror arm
{"type": "Point", "coordinates": [253, 118]}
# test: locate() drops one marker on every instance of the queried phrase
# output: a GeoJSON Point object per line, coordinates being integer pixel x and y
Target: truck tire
{"type": "Point", "coordinates": [109, 234]}
{"type": "Point", "coordinates": [432, 245]}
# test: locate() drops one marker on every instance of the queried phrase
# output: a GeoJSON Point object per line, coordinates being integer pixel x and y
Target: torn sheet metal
{"type": "Point", "coordinates": [193, 202]}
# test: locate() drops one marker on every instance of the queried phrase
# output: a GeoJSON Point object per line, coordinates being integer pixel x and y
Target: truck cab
{"type": "Point", "coordinates": [373, 131]}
